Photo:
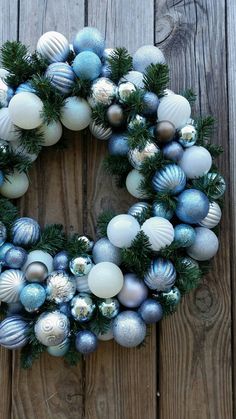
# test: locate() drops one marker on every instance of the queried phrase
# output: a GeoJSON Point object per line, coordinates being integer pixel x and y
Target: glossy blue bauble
{"type": "Point", "coordinates": [192, 206]}
{"type": "Point", "coordinates": [87, 65]}
{"type": "Point", "coordinates": [160, 209]}
{"type": "Point", "coordinates": [86, 342]}
{"type": "Point", "coordinates": [15, 257]}
{"type": "Point", "coordinates": [61, 261]}
{"type": "Point", "coordinates": [150, 103]}
{"type": "Point", "coordinates": [3, 233]}
{"type": "Point", "coordinates": [25, 232]}
{"type": "Point", "coordinates": [1, 178]}
{"type": "Point", "coordinates": [171, 179]}
{"type": "Point", "coordinates": [89, 39]}
{"type": "Point", "coordinates": [65, 309]}
{"type": "Point", "coordinates": [151, 311]}
{"type": "Point", "coordinates": [118, 145]}
{"type": "Point", "coordinates": [25, 87]}
{"type": "Point", "coordinates": [173, 151]}
{"type": "Point", "coordinates": [14, 332]}
{"type": "Point", "coordinates": [184, 235]}
{"type": "Point", "coordinates": [61, 77]}
{"type": "Point", "coordinates": [3, 250]}
{"type": "Point", "coordinates": [161, 275]}
{"type": "Point", "coordinates": [32, 296]}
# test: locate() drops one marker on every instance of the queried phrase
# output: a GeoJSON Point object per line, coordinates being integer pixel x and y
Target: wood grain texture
{"type": "Point", "coordinates": [195, 344]}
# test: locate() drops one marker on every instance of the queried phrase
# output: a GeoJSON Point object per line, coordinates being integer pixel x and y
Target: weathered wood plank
{"type": "Point", "coordinates": [119, 383]}
{"type": "Point", "coordinates": [52, 389]}
{"type": "Point", "coordinates": [195, 345]}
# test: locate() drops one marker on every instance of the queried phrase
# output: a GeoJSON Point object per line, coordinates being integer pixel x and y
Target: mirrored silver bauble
{"type": "Point", "coordinates": [36, 272]}
{"type": "Point", "coordinates": [129, 329]}
{"type": "Point", "coordinates": [213, 217]}
{"type": "Point", "coordinates": [171, 179]}
{"type": "Point", "coordinates": [188, 263]}
{"type": "Point", "coordinates": [136, 120]}
{"type": "Point", "coordinates": [161, 275]}
{"type": "Point", "coordinates": [87, 242]}
{"type": "Point", "coordinates": [98, 131]}
{"type": "Point", "coordinates": [103, 91]}
{"type": "Point", "coordinates": [141, 211]}
{"type": "Point", "coordinates": [4, 147]}
{"type": "Point", "coordinates": [81, 265]}
{"type": "Point", "coordinates": [59, 350]}
{"type": "Point", "coordinates": [86, 342]}
{"type": "Point", "coordinates": [14, 332]}
{"type": "Point", "coordinates": [173, 151]}
{"type": "Point", "coordinates": [12, 281]}
{"type": "Point", "coordinates": [25, 232]}
{"type": "Point", "coordinates": [15, 257]}
{"type": "Point", "coordinates": [151, 311]}
{"type": "Point", "coordinates": [109, 307]}
{"type": "Point", "coordinates": [219, 184]}
{"type": "Point", "coordinates": [172, 297]}
{"type": "Point", "coordinates": [61, 261]}
{"type": "Point", "coordinates": [124, 90]}
{"type": "Point", "coordinates": [61, 77]}
{"type": "Point", "coordinates": [161, 209]}
{"type": "Point", "coordinates": [53, 46]}
{"type": "Point", "coordinates": [3, 233]}
{"type": "Point", "coordinates": [82, 307]}
{"type": "Point", "coordinates": [137, 156]}
{"type": "Point", "coordinates": [6, 93]}
{"type": "Point", "coordinates": [187, 135]}
{"type": "Point", "coordinates": [105, 251]}
{"type": "Point", "coordinates": [52, 328]}
{"type": "Point", "coordinates": [60, 287]}
{"type": "Point", "coordinates": [115, 115]}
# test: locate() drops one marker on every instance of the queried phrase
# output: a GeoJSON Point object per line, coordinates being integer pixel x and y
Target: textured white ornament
{"type": "Point", "coordinates": [52, 133]}
{"type": "Point", "coordinates": [15, 185]}
{"type": "Point", "coordinates": [205, 246]}
{"type": "Point", "coordinates": [8, 130]}
{"type": "Point", "coordinates": [159, 231]}
{"type": "Point", "coordinates": [52, 328]}
{"type": "Point", "coordinates": [39, 256]}
{"type": "Point", "coordinates": [175, 109]}
{"type": "Point", "coordinates": [12, 282]}
{"type": "Point", "coordinates": [122, 229]}
{"type": "Point", "coordinates": [82, 283]}
{"type": "Point", "coordinates": [213, 217]}
{"type": "Point", "coordinates": [105, 280]}
{"type": "Point", "coordinates": [133, 182]}
{"type": "Point", "coordinates": [134, 77]}
{"type": "Point", "coordinates": [196, 161]}
{"type": "Point", "coordinates": [25, 110]}
{"type": "Point", "coordinates": [53, 46]}
{"type": "Point", "coordinates": [76, 114]}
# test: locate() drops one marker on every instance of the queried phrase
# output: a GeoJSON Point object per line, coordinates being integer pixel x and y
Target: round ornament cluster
{"type": "Point", "coordinates": [64, 295]}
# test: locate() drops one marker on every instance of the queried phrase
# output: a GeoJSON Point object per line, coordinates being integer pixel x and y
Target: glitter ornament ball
{"type": "Point", "coordinates": [150, 103]}
{"type": "Point", "coordinates": [81, 265]}
{"type": "Point", "coordinates": [25, 110]}
{"type": "Point", "coordinates": [159, 231]}
{"type": "Point", "coordinates": [82, 307]}
{"type": "Point", "coordinates": [137, 156]}
{"type": "Point", "coordinates": [165, 131]}
{"type": "Point", "coordinates": [205, 245]}
{"type": "Point", "coordinates": [115, 115]}
{"type": "Point", "coordinates": [118, 144]}
{"type": "Point", "coordinates": [15, 257]}
{"type": "Point", "coordinates": [196, 162]}
{"type": "Point", "coordinates": [105, 251]}
{"type": "Point", "coordinates": [133, 292]}
{"type": "Point", "coordinates": [86, 342]}
{"type": "Point", "coordinates": [146, 55]}
{"type": "Point", "coordinates": [32, 297]}
{"type": "Point", "coordinates": [14, 332]}
{"type": "Point", "coordinates": [192, 206]}
{"type": "Point", "coordinates": [12, 282]}
{"type": "Point", "coordinates": [76, 113]}
{"type": "Point", "coordinates": [213, 217]}
{"type": "Point", "coordinates": [161, 275]}
{"type": "Point", "coordinates": [36, 272]}
{"type": "Point", "coordinates": [184, 235]}
{"type": "Point", "coordinates": [105, 280]}
{"type": "Point", "coordinates": [171, 179]}
{"type": "Point", "coordinates": [173, 151]}
{"type": "Point", "coordinates": [15, 186]}
{"type": "Point", "coordinates": [87, 65]}
{"type": "Point", "coordinates": [151, 311]}
{"type": "Point", "coordinates": [133, 184]}
{"type": "Point", "coordinates": [161, 209]}
{"type": "Point", "coordinates": [98, 131]}
{"type": "Point", "coordinates": [25, 232]}
{"type": "Point", "coordinates": [109, 307]}
{"type": "Point", "coordinates": [175, 109]}
{"type": "Point", "coordinates": [122, 229]}
{"type": "Point", "coordinates": [89, 39]}
{"type": "Point", "coordinates": [61, 261]}
{"type": "Point", "coordinates": [51, 328]}
{"type": "Point", "coordinates": [61, 77]}
{"type": "Point", "coordinates": [3, 233]}
{"type": "Point", "coordinates": [60, 287]}
{"type": "Point", "coordinates": [103, 91]}
{"type": "Point", "coordinates": [129, 329]}
{"type": "Point", "coordinates": [59, 350]}
{"type": "Point", "coordinates": [53, 46]}
{"type": "Point", "coordinates": [187, 136]}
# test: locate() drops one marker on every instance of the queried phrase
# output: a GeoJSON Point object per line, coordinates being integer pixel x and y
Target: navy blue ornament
{"type": "Point", "coordinates": [25, 87]}
{"type": "Point", "coordinates": [161, 209]}
{"type": "Point", "coordinates": [161, 275]}
{"type": "Point", "coordinates": [15, 257]}
{"type": "Point", "coordinates": [173, 151]}
{"type": "Point", "coordinates": [25, 232]}
{"type": "Point", "coordinates": [192, 206]}
{"type": "Point", "coordinates": [151, 311]}
{"type": "Point", "coordinates": [118, 144]}
{"type": "Point", "coordinates": [184, 235]}
{"type": "Point", "coordinates": [86, 342]}
{"type": "Point", "coordinates": [65, 309]}
{"type": "Point", "coordinates": [87, 65]}
{"type": "Point", "coordinates": [61, 261]}
{"type": "Point", "coordinates": [171, 179]}
{"type": "Point", "coordinates": [89, 39]}
{"type": "Point", "coordinates": [150, 103]}
{"type": "Point", "coordinates": [32, 297]}
{"type": "Point", "coordinates": [61, 77]}
{"type": "Point", "coordinates": [3, 233]}
{"type": "Point", "coordinates": [1, 178]}
{"type": "Point", "coordinates": [14, 332]}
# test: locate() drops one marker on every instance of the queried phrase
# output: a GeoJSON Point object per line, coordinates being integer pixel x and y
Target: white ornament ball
{"type": "Point", "coordinates": [39, 256]}
{"type": "Point", "coordinates": [25, 110]}
{"type": "Point", "coordinates": [196, 161]}
{"type": "Point", "coordinates": [76, 114]}
{"type": "Point", "coordinates": [134, 77]}
{"type": "Point", "coordinates": [175, 109]}
{"type": "Point", "coordinates": [52, 133]}
{"type": "Point", "coordinates": [122, 229]}
{"type": "Point", "coordinates": [133, 182]}
{"type": "Point", "coordinates": [146, 55]}
{"type": "Point", "coordinates": [105, 280]}
{"type": "Point", "coordinates": [8, 130]}
{"type": "Point", "coordinates": [15, 185]}
{"type": "Point", "coordinates": [213, 217]}
{"type": "Point", "coordinates": [205, 246]}
{"type": "Point", "coordinates": [159, 231]}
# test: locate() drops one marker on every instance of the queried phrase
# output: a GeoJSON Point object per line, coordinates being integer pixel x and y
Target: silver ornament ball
{"type": "Point", "coordinates": [105, 251]}
{"type": "Point", "coordinates": [115, 115]}
{"type": "Point", "coordinates": [53, 46]}
{"type": "Point", "coordinates": [82, 307]}
{"type": "Point", "coordinates": [151, 311]}
{"type": "Point", "coordinates": [87, 242]}
{"type": "Point", "coordinates": [173, 151]}
{"type": "Point", "coordinates": [187, 136]}
{"type": "Point", "coordinates": [25, 232]}
{"type": "Point", "coordinates": [141, 211]}
{"type": "Point", "coordinates": [129, 329]}
{"type": "Point", "coordinates": [81, 265]}
{"type": "Point", "coordinates": [219, 184]}
{"type": "Point", "coordinates": [6, 93]}
{"type": "Point", "coordinates": [109, 307]}
{"type": "Point", "coordinates": [161, 275]}
{"type": "Point", "coordinates": [172, 297]}
{"type": "Point", "coordinates": [36, 272]}
{"type": "Point", "coordinates": [14, 332]}
{"type": "Point", "coordinates": [137, 156]}
{"type": "Point", "coordinates": [213, 217]}
{"type": "Point", "coordinates": [99, 132]}
{"type": "Point", "coordinates": [52, 328]}
{"type": "Point", "coordinates": [60, 287]}
{"type": "Point", "coordinates": [133, 292]}
{"type": "Point", "coordinates": [86, 342]}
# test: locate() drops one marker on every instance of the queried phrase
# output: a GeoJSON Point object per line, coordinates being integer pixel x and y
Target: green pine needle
{"type": "Point", "coordinates": [103, 220]}
{"type": "Point", "coordinates": [8, 212]}
{"type": "Point", "coordinates": [145, 214]}
{"type": "Point", "coordinates": [156, 78]}
{"type": "Point", "coordinates": [76, 246]}
{"type": "Point", "coordinates": [31, 140]}
{"type": "Point", "coordinates": [99, 115]}
{"type": "Point", "coordinates": [137, 257]}
{"type": "Point", "coordinates": [190, 95]}
{"type": "Point", "coordinates": [32, 351]}
{"type": "Point", "coordinates": [169, 307]}
{"type": "Point", "coordinates": [81, 88]}
{"type": "Point", "coordinates": [208, 185]}
{"type": "Point", "coordinates": [52, 239]}
{"type": "Point", "coordinates": [205, 128]}
{"type": "Point", "coordinates": [133, 104]}
{"type": "Point", "coordinates": [72, 356]}
{"type": "Point", "coordinates": [139, 135]}
{"type": "Point", "coordinates": [99, 324]}
{"type": "Point", "coordinates": [188, 277]}
{"type": "Point", "coordinates": [10, 161]}
{"type": "Point", "coordinates": [120, 63]}
{"type": "Point", "coordinates": [117, 166]}
{"type": "Point", "coordinates": [170, 252]}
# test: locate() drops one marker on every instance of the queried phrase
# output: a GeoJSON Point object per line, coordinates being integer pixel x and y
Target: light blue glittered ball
{"type": "Point", "coordinates": [146, 55]}
{"type": "Point", "coordinates": [192, 206]}
{"type": "Point", "coordinates": [3, 250]}
{"type": "Point", "coordinates": [151, 311]}
{"type": "Point", "coordinates": [3, 233]}
{"type": "Point", "coordinates": [161, 275]}
{"type": "Point", "coordinates": [184, 235]}
{"type": "Point", "coordinates": [25, 232]}
{"type": "Point", "coordinates": [160, 209]}
{"type": "Point", "coordinates": [150, 103]}
{"type": "Point", "coordinates": [86, 342]}
{"type": "Point", "coordinates": [129, 329]}
{"type": "Point", "coordinates": [59, 350]}
{"type": "Point", "coordinates": [87, 65]}
{"type": "Point", "coordinates": [1, 178]}
{"type": "Point", "coordinates": [61, 77]}
{"type": "Point", "coordinates": [32, 296]}
{"type": "Point", "coordinates": [118, 144]}
{"type": "Point", "coordinates": [171, 179]}
{"type": "Point", "coordinates": [15, 257]}
{"type": "Point", "coordinates": [173, 151]}
{"type": "Point", "coordinates": [89, 39]}
{"type": "Point", "coordinates": [25, 87]}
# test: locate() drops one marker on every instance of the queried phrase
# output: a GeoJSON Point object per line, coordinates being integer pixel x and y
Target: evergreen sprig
{"type": "Point", "coordinates": [208, 184]}
{"type": "Point", "coordinates": [72, 356]}
{"type": "Point", "coordinates": [188, 278]}
{"type": "Point", "coordinates": [170, 252]}
{"type": "Point", "coordinates": [133, 104]}
{"type": "Point", "coordinates": [8, 212]}
{"type": "Point", "coordinates": [11, 160]}
{"type": "Point", "coordinates": [190, 95]}
{"type": "Point", "coordinates": [32, 351]}
{"type": "Point", "coordinates": [76, 246]}
{"type": "Point", "coordinates": [137, 258]}
{"type": "Point", "coordinates": [99, 115]}
{"type": "Point", "coordinates": [31, 140]}
{"type": "Point", "coordinates": [205, 128]}
{"type": "Point", "coordinates": [52, 239]}
{"type": "Point", "coordinates": [156, 78]}
{"type": "Point", "coordinates": [117, 166]}
{"type": "Point", "coordinates": [120, 63]}
{"type": "Point", "coordinates": [99, 324]}
{"type": "Point", "coordinates": [103, 220]}
{"type": "Point", "coordinates": [81, 88]}
{"type": "Point", "coordinates": [139, 135]}
{"type": "Point", "coordinates": [168, 305]}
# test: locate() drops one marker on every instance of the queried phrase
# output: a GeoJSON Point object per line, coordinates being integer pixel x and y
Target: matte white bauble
{"type": "Point", "coordinates": [205, 246]}
{"type": "Point", "coordinates": [39, 256]}
{"type": "Point", "coordinates": [196, 161]}
{"type": "Point", "coordinates": [134, 77]}
{"type": "Point", "coordinates": [159, 231]}
{"type": "Point", "coordinates": [76, 113]}
{"type": "Point", "coordinates": [133, 182]}
{"type": "Point", "coordinates": [8, 130]}
{"type": "Point", "coordinates": [213, 217]}
{"type": "Point", "coordinates": [52, 133]}
{"type": "Point", "coordinates": [25, 110]}
{"type": "Point", "coordinates": [105, 280]}
{"type": "Point", "coordinates": [175, 109]}
{"type": "Point", "coordinates": [15, 185]}
{"type": "Point", "coordinates": [122, 229]}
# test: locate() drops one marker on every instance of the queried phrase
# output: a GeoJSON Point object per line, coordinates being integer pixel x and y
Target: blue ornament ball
{"type": "Point", "coordinates": [32, 297]}
{"type": "Point", "coordinates": [151, 311]}
{"type": "Point", "coordinates": [173, 151]}
{"type": "Point", "coordinates": [61, 261]}
{"type": "Point", "coordinates": [89, 39]}
{"type": "Point", "coordinates": [15, 257]}
{"type": "Point", "coordinates": [61, 77]}
{"type": "Point", "coordinates": [118, 144]}
{"type": "Point", "coordinates": [25, 232]}
{"type": "Point", "coordinates": [3, 233]}
{"type": "Point", "coordinates": [86, 342]}
{"type": "Point", "coordinates": [105, 71]}
{"type": "Point", "coordinates": [161, 275]}
{"type": "Point", "coordinates": [171, 179]}
{"type": "Point", "coordinates": [65, 309]}
{"type": "Point", "coordinates": [25, 87]}
{"type": "Point", "coordinates": [192, 206]}
{"type": "Point", "coordinates": [161, 209]}
{"type": "Point", "coordinates": [14, 332]}
{"type": "Point", "coordinates": [150, 103]}
{"type": "Point", "coordinates": [184, 235]}
{"type": "Point", "coordinates": [129, 329]}
{"type": "Point", "coordinates": [1, 178]}
{"type": "Point", "coordinates": [3, 250]}
{"type": "Point", "coordinates": [14, 308]}
{"type": "Point", "coordinates": [87, 65]}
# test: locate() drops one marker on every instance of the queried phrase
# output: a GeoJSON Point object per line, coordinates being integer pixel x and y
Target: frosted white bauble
{"type": "Point", "coordinates": [25, 110]}
{"type": "Point", "coordinates": [15, 185]}
{"type": "Point", "coordinates": [52, 133]}
{"type": "Point", "coordinates": [213, 217]}
{"type": "Point", "coordinates": [19, 149]}
{"type": "Point", "coordinates": [105, 280]}
{"type": "Point", "coordinates": [133, 182]}
{"type": "Point", "coordinates": [205, 246]}
{"type": "Point", "coordinates": [134, 77]}
{"type": "Point", "coordinates": [122, 229]}
{"type": "Point", "coordinates": [159, 231]}
{"type": "Point", "coordinates": [175, 109]}
{"type": "Point", "coordinates": [39, 256]}
{"type": "Point", "coordinates": [8, 130]}
{"type": "Point", "coordinates": [195, 162]}
{"type": "Point", "coordinates": [146, 55]}
{"type": "Point", "coordinates": [76, 114]}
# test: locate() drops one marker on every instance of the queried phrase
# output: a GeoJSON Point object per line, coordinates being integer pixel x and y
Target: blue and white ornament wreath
{"type": "Point", "coordinates": [63, 294]}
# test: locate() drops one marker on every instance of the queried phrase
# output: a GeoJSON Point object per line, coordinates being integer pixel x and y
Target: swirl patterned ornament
{"type": "Point", "coordinates": [51, 328]}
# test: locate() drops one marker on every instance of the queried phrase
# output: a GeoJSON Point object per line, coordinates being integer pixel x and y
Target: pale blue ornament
{"type": "Point", "coordinates": [161, 275]}
{"type": "Point", "coordinates": [105, 251]}
{"type": "Point", "coordinates": [3, 250]}
{"type": "Point", "coordinates": [171, 179]}
{"type": "Point", "coordinates": [192, 206]}
{"type": "Point", "coordinates": [118, 144]}
{"type": "Point", "coordinates": [150, 103]}
{"type": "Point", "coordinates": [161, 209]}
{"type": "Point", "coordinates": [25, 87]}
{"type": "Point", "coordinates": [61, 261]}
{"type": "Point", "coordinates": [32, 297]}
{"type": "Point", "coordinates": [3, 233]}
{"type": "Point", "coordinates": [151, 311]}
{"type": "Point", "coordinates": [25, 232]}
{"type": "Point", "coordinates": [89, 39]}
{"type": "Point", "coordinates": [61, 77]}
{"type": "Point", "coordinates": [59, 350]}
{"type": "Point", "coordinates": [129, 329]}
{"type": "Point", "coordinates": [133, 292]}
{"type": "Point", "coordinates": [109, 307]}
{"type": "Point", "coordinates": [14, 332]}
{"type": "Point", "coordinates": [86, 342]}
{"type": "Point", "coordinates": [1, 178]}
{"type": "Point", "coordinates": [173, 151]}
{"type": "Point", "coordinates": [187, 135]}
{"type": "Point", "coordinates": [82, 307]}
{"type": "Point", "coordinates": [15, 257]}
{"type": "Point", "coordinates": [106, 70]}
{"type": "Point", "coordinates": [141, 211]}
{"type": "Point", "coordinates": [81, 265]}
{"type": "Point", "coordinates": [146, 55]}
{"type": "Point", "coordinates": [87, 65]}
{"type": "Point", "coordinates": [172, 297]}
{"type": "Point", "coordinates": [205, 245]}
{"type": "Point", "coordinates": [184, 235]}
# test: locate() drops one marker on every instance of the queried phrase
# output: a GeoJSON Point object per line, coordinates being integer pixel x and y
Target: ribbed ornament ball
{"type": "Point", "coordinates": [137, 156]}
{"type": "Point", "coordinates": [12, 282]}
{"type": "Point", "coordinates": [187, 136]}
{"type": "Point", "coordinates": [192, 206]}
{"type": "Point", "coordinates": [98, 131]}
{"type": "Point", "coordinates": [213, 217]}
{"type": "Point", "coordinates": [82, 307]}
{"type": "Point", "coordinates": [14, 332]}
{"type": "Point", "coordinates": [105, 251]}
{"type": "Point", "coordinates": [146, 55]}
{"type": "Point", "coordinates": [25, 232]}
{"type": "Point", "coordinates": [3, 250]}
{"type": "Point", "coordinates": [61, 77]}
{"type": "Point", "coordinates": [151, 311]}
{"type": "Point", "coordinates": [25, 87]}
{"type": "Point", "coordinates": [32, 297]}
{"type": "Point", "coordinates": [159, 231]}
{"type": "Point", "coordinates": [129, 329]}
{"type": "Point", "coordinates": [15, 257]}
{"type": "Point", "coordinates": [89, 39]}
{"type": "Point", "coordinates": [109, 307]}
{"type": "Point", "coordinates": [161, 275]}
{"type": "Point", "coordinates": [52, 328]}
{"type": "Point", "coordinates": [82, 284]}
{"type": "Point", "coordinates": [8, 130]}
{"type": "Point", "coordinates": [173, 151]}
{"type": "Point", "coordinates": [3, 233]}
{"type": "Point", "coordinates": [205, 245]}
{"type": "Point", "coordinates": [86, 342]}
{"type": "Point", "coordinates": [140, 210]}
{"type": "Point", "coordinates": [171, 179]}
{"type": "Point", "coordinates": [161, 209]}
{"type": "Point", "coordinates": [103, 91]}
{"type": "Point", "coordinates": [175, 109]}
{"type": "Point", "coordinates": [60, 287]}
{"type": "Point", "coordinates": [53, 46]}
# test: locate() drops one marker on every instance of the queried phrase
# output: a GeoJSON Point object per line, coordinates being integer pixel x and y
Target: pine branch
{"type": "Point", "coordinates": [81, 88]}
{"type": "Point", "coordinates": [31, 140]}
{"type": "Point", "coordinates": [76, 246]}
{"type": "Point", "coordinates": [10, 161]}
{"type": "Point", "coordinates": [99, 115]}
{"type": "Point", "coordinates": [214, 149]}
{"type": "Point", "coordinates": [103, 220]}
{"type": "Point", "coordinates": [208, 185]}
{"type": "Point", "coordinates": [205, 127]}
{"type": "Point", "coordinates": [170, 252]}
{"type": "Point", "coordinates": [117, 166]}
{"type": "Point", "coordinates": [72, 356]}
{"type": "Point", "coordinates": [137, 258]}
{"type": "Point", "coordinates": [8, 212]}
{"type": "Point", "coordinates": [120, 63]}
{"type": "Point", "coordinates": [190, 95]}
{"type": "Point", "coordinates": [188, 277]}
{"type": "Point", "coordinates": [168, 304]}
{"type": "Point", "coordinates": [133, 104]}
{"type": "Point", "coordinates": [156, 78]}
{"type": "Point", "coordinates": [99, 324]}
{"type": "Point", "coordinates": [52, 239]}
{"type": "Point", "coordinates": [32, 351]}
{"type": "Point", "coordinates": [139, 135]}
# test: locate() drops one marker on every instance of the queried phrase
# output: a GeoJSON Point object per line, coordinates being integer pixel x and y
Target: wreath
{"type": "Point", "coordinates": [63, 294]}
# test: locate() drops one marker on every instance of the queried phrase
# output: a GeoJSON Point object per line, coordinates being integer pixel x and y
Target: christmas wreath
{"type": "Point", "coordinates": [63, 294]}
